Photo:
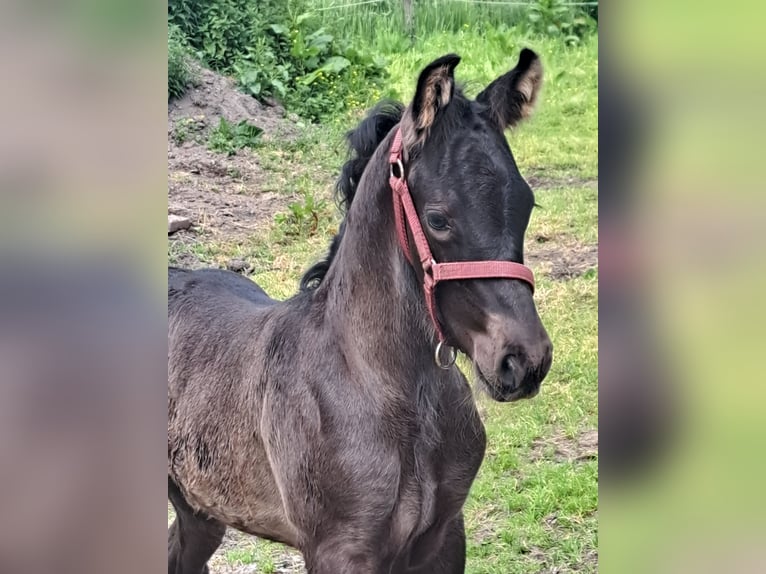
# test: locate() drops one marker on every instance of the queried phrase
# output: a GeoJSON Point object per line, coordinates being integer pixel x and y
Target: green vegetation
{"type": "Point", "coordinates": [228, 138]}
{"type": "Point", "coordinates": [302, 217]}
{"type": "Point", "coordinates": [558, 18]}
{"type": "Point", "coordinates": [534, 505]}
{"type": "Point", "coordinates": [384, 23]}
{"type": "Point", "coordinates": [561, 139]}
{"type": "Point", "coordinates": [188, 129]}
{"type": "Point", "coordinates": [180, 74]}
{"type": "Point", "coordinates": [277, 49]}
{"type": "Point", "coordinates": [324, 57]}
{"type": "Point", "coordinates": [428, 16]}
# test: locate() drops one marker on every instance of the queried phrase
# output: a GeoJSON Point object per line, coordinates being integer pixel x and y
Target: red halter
{"type": "Point", "coordinates": [433, 272]}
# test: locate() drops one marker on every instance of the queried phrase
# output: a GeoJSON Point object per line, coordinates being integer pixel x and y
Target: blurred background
{"type": "Point", "coordinates": [681, 380]}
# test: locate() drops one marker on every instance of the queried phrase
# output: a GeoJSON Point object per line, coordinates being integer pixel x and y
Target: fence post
{"type": "Point", "coordinates": [409, 20]}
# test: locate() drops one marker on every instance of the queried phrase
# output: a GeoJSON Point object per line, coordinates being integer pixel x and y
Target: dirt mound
{"type": "Point", "coordinates": [221, 194]}
{"type": "Point", "coordinates": [216, 96]}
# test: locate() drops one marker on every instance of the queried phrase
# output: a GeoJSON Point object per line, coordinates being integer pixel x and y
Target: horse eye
{"type": "Point", "coordinates": [437, 221]}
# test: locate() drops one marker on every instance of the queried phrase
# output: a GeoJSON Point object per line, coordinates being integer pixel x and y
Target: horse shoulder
{"type": "Point", "coordinates": [460, 451]}
{"type": "Point", "coordinates": [337, 474]}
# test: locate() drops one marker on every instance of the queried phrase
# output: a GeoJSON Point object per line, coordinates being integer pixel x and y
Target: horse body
{"type": "Point", "coordinates": [323, 421]}
{"type": "Point", "coordinates": [321, 446]}
{"type": "Point", "coordinates": [220, 464]}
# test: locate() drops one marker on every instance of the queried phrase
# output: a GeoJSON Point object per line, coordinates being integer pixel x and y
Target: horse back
{"type": "Point", "coordinates": [183, 283]}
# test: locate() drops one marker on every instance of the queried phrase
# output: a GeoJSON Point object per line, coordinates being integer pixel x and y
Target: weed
{"type": "Point", "coordinates": [187, 129]}
{"type": "Point", "coordinates": [229, 138]}
{"type": "Point", "coordinates": [303, 217]}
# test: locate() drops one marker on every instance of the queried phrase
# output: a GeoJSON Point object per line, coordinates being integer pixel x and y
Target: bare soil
{"type": "Point", "coordinates": [221, 194]}
{"type": "Point", "coordinates": [539, 181]}
{"type": "Point", "coordinates": [561, 258]}
{"type": "Point", "coordinates": [566, 449]}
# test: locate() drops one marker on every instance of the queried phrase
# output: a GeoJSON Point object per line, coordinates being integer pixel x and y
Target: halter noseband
{"type": "Point", "coordinates": [433, 272]}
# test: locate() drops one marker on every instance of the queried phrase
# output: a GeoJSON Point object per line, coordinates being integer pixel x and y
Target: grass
{"type": "Point", "coordinates": [561, 139]}
{"type": "Point", "coordinates": [429, 15]}
{"type": "Point", "coordinates": [565, 211]}
{"type": "Point", "coordinates": [531, 508]}
{"type": "Point", "coordinates": [535, 511]}
{"type": "Point", "coordinates": [261, 555]}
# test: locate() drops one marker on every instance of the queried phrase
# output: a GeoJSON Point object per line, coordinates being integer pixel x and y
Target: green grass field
{"type": "Point", "coordinates": [533, 507]}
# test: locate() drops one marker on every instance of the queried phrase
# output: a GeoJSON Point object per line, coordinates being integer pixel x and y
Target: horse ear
{"type": "Point", "coordinates": [511, 97]}
{"type": "Point", "coordinates": [436, 86]}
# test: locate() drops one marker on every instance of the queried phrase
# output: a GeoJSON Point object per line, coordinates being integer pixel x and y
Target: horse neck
{"type": "Point", "coordinates": [374, 299]}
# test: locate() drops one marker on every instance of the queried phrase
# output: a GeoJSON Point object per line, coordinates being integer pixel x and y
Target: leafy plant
{"type": "Point", "coordinates": [277, 49]}
{"type": "Point", "coordinates": [555, 18]}
{"type": "Point", "coordinates": [302, 217]}
{"type": "Point", "coordinates": [180, 74]}
{"type": "Point", "coordinates": [229, 138]}
{"type": "Point", "coordinates": [330, 75]}
{"type": "Point", "coordinates": [222, 30]}
{"type": "Point", "coordinates": [319, 72]}
{"type": "Point", "coordinates": [259, 72]}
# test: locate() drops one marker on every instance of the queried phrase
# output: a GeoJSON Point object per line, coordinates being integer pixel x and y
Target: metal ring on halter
{"type": "Point", "coordinates": [438, 356]}
{"type": "Point", "coordinates": [400, 166]}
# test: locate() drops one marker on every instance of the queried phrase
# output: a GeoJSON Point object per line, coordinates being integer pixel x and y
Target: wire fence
{"type": "Point", "coordinates": [382, 20]}
{"type": "Point", "coordinates": [338, 7]}
{"type": "Point", "coordinates": [491, 2]}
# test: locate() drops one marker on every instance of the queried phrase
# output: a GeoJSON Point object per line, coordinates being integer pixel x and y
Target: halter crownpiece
{"type": "Point", "coordinates": [433, 272]}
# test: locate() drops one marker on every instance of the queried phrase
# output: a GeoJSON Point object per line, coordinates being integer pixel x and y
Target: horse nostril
{"type": "Point", "coordinates": [510, 366]}
{"type": "Point", "coordinates": [506, 366]}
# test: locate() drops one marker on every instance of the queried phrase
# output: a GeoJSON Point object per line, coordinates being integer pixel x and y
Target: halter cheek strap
{"type": "Point", "coordinates": [433, 272]}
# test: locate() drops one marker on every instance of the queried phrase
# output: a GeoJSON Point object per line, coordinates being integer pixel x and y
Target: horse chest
{"type": "Point", "coordinates": [445, 459]}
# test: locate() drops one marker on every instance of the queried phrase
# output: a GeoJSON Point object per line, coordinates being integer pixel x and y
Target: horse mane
{"type": "Point", "coordinates": [362, 142]}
